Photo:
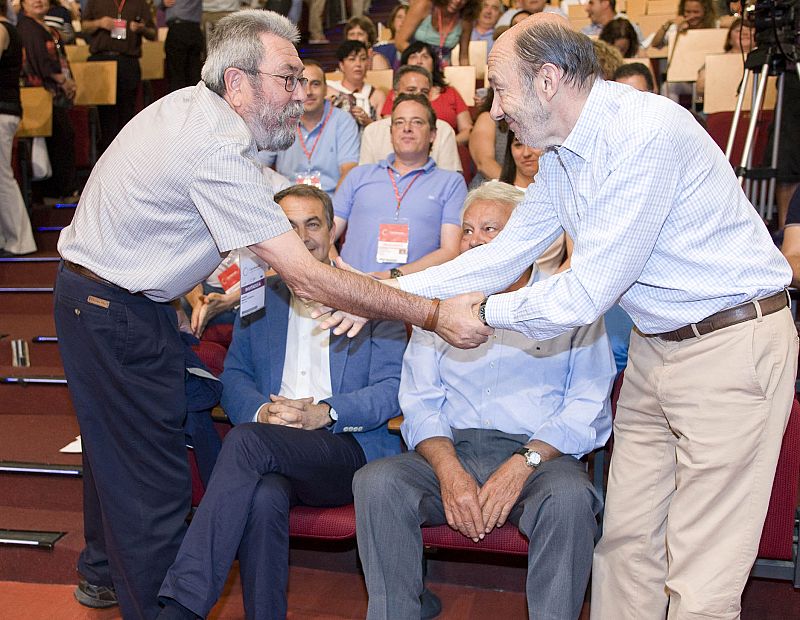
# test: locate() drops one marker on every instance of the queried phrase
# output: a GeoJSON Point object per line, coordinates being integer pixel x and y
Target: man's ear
{"type": "Point", "coordinates": [549, 80]}
{"type": "Point", "coordinates": [234, 79]}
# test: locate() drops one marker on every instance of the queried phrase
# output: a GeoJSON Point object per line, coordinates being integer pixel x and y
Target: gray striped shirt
{"type": "Point", "coordinates": [179, 186]}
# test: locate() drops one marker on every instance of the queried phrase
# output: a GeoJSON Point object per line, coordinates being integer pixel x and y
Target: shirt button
{"type": "Point", "coordinates": [488, 391]}
{"type": "Point", "coordinates": [77, 312]}
{"type": "Point", "coordinates": [491, 365]}
{"type": "Point", "coordinates": [303, 372]}
{"type": "Point", "coordinates": [487, 422]}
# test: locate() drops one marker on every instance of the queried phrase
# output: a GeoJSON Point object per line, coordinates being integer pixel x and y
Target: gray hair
{"type": "Point", "coordinates": [406, 69]}
{"type": "Point", "coordinates": [494, 191]}
{"type": "Point", "coordinates": [235, 42]}
{"type": "Point", "coordinates": [558, 44]}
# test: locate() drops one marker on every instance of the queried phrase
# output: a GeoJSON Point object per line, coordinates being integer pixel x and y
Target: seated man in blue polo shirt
{"type": "Point", "coordinates": [494, 433]}
{"type": "Point", "coordinates": [402, 214]}
{"type": "Point", "coordinates": [310, 409]}
{"type": "Point", "coordinates": [327, 144]}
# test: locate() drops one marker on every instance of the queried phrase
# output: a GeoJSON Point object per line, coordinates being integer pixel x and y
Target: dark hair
{"type": "Point", "coordinates": [548, 42]}
{"type": "Point", "coordinates": [525, 15]}
{"type": "Point", "coordinates": [3, 7]}
{"type": "Point", "coordinates": [633, 69]}
{"type": "Point", "coordinates": [613, 5]}
{"type": "Point", "coordinates": [420, 99]}
{"type": "Point", "coordinates": [310, 62]}
{"type": "Point", "coordinates": [508, 174]}
{"type": "Point", "coordinates": [709, 11]}
{"type": "Point", "coordinates": [415, 48]}
{"type": "Point", "coordinates": [366, 24]}
{"type": "Point", "coordinates": [399, 7]}
{"type": "Point", "coordinates": [348, 47]}
{"type": "Point", "coordinates": [308, 191]}
{"type": "Point", "coordinates": [621, 28]}
{"type": "Point", "coordinates": [406, 69]}
{"type": "Point", "coordinates": [469, 11]}
{"type": "Point", "coordinates": [737, 23]}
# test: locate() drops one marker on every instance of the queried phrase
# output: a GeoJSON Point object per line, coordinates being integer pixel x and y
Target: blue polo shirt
{"type": "Point", "coordinates": [366, 199]}
{"type": "Point", "coordinates": [339, 144]}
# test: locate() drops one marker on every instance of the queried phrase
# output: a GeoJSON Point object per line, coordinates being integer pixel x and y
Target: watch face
{"type": "Point", "coordinates": [533, 458]}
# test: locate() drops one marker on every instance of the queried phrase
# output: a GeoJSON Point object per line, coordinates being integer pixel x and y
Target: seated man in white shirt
{"type": "Point", "coordinates": [495, 434]}
{"type": "Point", "coordinates": [376, 140]}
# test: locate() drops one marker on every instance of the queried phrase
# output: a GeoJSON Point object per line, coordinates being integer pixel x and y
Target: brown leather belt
{"type": "Point", "coordinates": [726, 318]}
{"type": "Point", "coordinates": [91, 275]}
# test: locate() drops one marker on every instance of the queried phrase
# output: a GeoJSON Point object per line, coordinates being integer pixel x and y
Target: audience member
{"type": "Point", "coordinates": [637, 75]}
{"type": "Point", "coordinates": [402, 214]}
{"type": "Point", "coordinates": [185, 45]}
{"type": "Point", "coordinates": [520, 165]}
{"type": "Point", "coordinates": [215, 10]}
{"type": "Point", "coordinates": [363, 29]}
{"type": "Point", "coordinates": [495, 434]}
{"type": "Point", "coordinates": [608, 57]}
{"type": "Point", "coordinates": [739, 41]}
{"type": "Point", "coordinates": [620, 33]}
{"type": "Point", "coordinates": [388, 48]}
{"type": "Point", "coordinates": [490, 12]}
{"type": "Point", "coordinates": [45, 64]}
{"type": "Point", "coordinates": [115, 34]}
{"type": "Point", "coordinates": [316, 10]}
{"type": "Point", "coordinates": [60, 17]}
{"type": "Point", "coordinates": [791, 238]}
{"type": "Point", "coordinates": [487, 143]}
{"type": "Point", "coordinates": [446, 102]}
{"type": "Point", "coordinates": [530, 7]}
{"type": "Point", "coordinates": [376, 140]}
{"type": "Point", "coordinates": [692, 15]}
{"type": "Point", "coordinates": [442, 24]}
{"type": "Point", "coordinates": [310, 409]}
{"type": "Point", "coordinates": [327, 143]}
{"type": "Point", "coordinates": [352, 93]}
{"type": "Point", "coordinates": [16, 236]}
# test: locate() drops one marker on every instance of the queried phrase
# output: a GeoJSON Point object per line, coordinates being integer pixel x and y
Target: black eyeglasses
{"type": "Point", "coordinates": [290, 81]}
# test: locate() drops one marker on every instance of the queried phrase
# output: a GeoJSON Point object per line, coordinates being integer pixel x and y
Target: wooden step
{"type": "Point", "coordinates": [27, 271]}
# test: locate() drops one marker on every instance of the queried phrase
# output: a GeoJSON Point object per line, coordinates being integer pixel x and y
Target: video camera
{"type": "Point", "coordinates": [776, 24]}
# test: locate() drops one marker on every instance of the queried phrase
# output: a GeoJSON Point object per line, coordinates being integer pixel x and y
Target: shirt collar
{"type": "Point", "coordinates": [582, 137]}
{"type": "Point", "coordinates": [389, 163]}
{"type": "Point", "coordinates": [326, 108]}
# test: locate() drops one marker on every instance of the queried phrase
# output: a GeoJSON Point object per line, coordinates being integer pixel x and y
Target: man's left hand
{"type": "Point", "coordinates": [459, 324]}
{"type": "Point", "coordinates": [501, 491]}
{"type": "Point", "coordinates": [298, 413]}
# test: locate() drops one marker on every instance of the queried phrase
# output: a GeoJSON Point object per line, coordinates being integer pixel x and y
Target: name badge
{"type": "Point", "coordinates": [309, 177]}
{"type": "Point", "coordinates": [393, 242]}
{"type": "Point", "coordinates": [120, 29]}
{"type": "Point", "coordinates": [253, 281]}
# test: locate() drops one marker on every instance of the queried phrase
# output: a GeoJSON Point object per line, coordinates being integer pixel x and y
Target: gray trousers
{"type": "Point", "coordinates": [556, 511]}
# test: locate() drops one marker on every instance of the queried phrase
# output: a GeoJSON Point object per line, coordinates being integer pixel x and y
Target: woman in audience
{"type": "Point", "coordinates": [352, 93]}
{"type": "Point", "coordinates": [446, 102]}
{"type": "Point", "coordinates": [692, 15]}
{"type": "Point", "coordinates": [609, 58]}
{"type": "Point", "coordinates": [16, 236]}
{"type": "Point", "coordinates": [520, 165]}
{"type": "Point", "coordinates": [487, 143]}
{"type": "Point", "coordinates": [60, 18]}
{"type": "Point", "coordinates": [740, 41]}
{"type": "Point", "coordinates": [388, 49]}
{"type": "Point", "coordinates": [621, 34]}
{"type": "Point", "coordinates": [491, 10]}
{"type": "Point", "coordinates": [442, 24]}
{"type": "Point", "coordinates": [363, 29]}
{"type": "Point", "coordinates": [46, 65]}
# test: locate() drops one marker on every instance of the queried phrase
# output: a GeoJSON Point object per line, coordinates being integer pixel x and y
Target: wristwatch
{"type": "Point", "coordinates": [332, 415]}
{"type": "Point", "coordinates": [532, 458]}
{"type": "Point", "coordinates": [394, 272]}
{"type": "Point", "coordinates": [482, 311]}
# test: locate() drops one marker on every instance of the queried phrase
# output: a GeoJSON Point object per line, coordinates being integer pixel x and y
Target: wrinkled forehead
{"type": "Point", "coordinates": [280, 56]}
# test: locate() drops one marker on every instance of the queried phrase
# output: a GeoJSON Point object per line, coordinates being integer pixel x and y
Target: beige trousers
{"type": "Point", "coordinates": [696, 440]}
{"type": "Point", "coordinates": [315, 10]}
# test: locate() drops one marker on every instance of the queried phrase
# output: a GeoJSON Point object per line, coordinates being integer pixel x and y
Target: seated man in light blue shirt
{"type": "Point", "coordinates": [495, 434]}
{"type": "Point", "coordinates": [327, 144]}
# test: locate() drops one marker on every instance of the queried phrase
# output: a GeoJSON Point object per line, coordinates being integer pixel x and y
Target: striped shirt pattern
{"type": "Point", "coordinates": [658, 219]}
{"type": "Point", "coordinates": [178, 187]}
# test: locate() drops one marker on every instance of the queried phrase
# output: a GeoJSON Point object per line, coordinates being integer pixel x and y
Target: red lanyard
{"type": "Point", "coordinates": [398, 196]}
{"type": "Point", "coordinates": [442, 33]}
{"type": "Point", "coordinates": [120, 6]}
{"type": "Point", "coordinates": [319, 135]}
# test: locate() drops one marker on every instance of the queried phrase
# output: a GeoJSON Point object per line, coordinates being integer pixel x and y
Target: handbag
{"type": "Point", "coordinates": [40, 161]}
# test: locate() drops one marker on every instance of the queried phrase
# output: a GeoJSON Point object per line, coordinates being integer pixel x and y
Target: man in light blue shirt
{"type": "Point", "coordinates": [475, 420]}
{"type": "Point", "coordinates": [327, 144]}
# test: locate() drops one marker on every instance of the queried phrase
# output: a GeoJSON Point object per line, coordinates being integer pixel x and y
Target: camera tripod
{"type": "Point", "coordinates": [759, 183]}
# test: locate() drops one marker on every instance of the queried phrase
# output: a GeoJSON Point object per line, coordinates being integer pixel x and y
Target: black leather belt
{"type": "Point", "coordinates": [91, 275]}
{"type": "Point", "coordinates": [726, 318]}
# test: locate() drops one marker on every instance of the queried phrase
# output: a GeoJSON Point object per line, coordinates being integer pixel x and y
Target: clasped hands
{"type": "Point", "coordinates": [458, 317]}
{"type": "Point", "coordinates": [295, 412]}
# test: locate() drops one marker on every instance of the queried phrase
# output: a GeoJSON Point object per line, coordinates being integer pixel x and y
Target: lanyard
{"type": "Point", "coordinates": [120, 6]}
{"type": "Point", "coordinates": [319, 135]}
{"type": "Point", "coordinates": [398, 196]}
{"type": "Point", "coordinates": [443, 33]}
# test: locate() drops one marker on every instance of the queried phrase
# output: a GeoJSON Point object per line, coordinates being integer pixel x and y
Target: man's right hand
{"type": "Point", "coordinates": [460, 500]}
{"type": "Point", "coordinates": [459, 324]}
{"type": "Point", "coordinates": [106, 23]}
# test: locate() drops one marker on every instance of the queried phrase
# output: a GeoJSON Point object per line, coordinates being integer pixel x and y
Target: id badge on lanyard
{"type": "Point", "coordinates": [253, 283]}
{"type": "Point", "coordinates": [120, 29]}
{"type": "Point", "coordinates": [309, 177]}
{"type": "Point", "coordinates": [393, 241]}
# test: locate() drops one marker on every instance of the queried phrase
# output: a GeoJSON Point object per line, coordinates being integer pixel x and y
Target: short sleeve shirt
{"type": "Point", "coordinates": [179, 187]}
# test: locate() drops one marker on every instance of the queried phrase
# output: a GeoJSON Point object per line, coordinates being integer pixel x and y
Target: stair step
{"type": "Point", "coordinates": [35, 399]}
{"type": "Point", "coordinates": [46, 238]}
{"type": "Point", "coordinates": [30, 538]}
{"type": "Point", "coordinates": [25, 300]}
{"type": "Point", "coordinates": [18, 467]}
{"type": "Point", "coordinates": [33, 491]}
{"type": "Point", "coordinates": [39, 271]}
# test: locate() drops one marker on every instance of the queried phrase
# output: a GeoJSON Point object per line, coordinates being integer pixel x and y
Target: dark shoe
{"type": "Point", "coordinates": [431, 605]}
{"type": "Point", "coordinates": [96, 597]}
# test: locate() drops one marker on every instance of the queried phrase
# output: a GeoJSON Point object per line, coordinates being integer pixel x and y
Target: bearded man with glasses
{"type": "Point", "coordinates": [178, 188]}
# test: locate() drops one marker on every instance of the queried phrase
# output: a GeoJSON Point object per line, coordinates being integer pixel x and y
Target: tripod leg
{"type": "Point", "coordinates": [736, 114]}
{"type": "Point", "coordinates": [776, 134]}
{"type": "Point", "coordinates": [751, 129]}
